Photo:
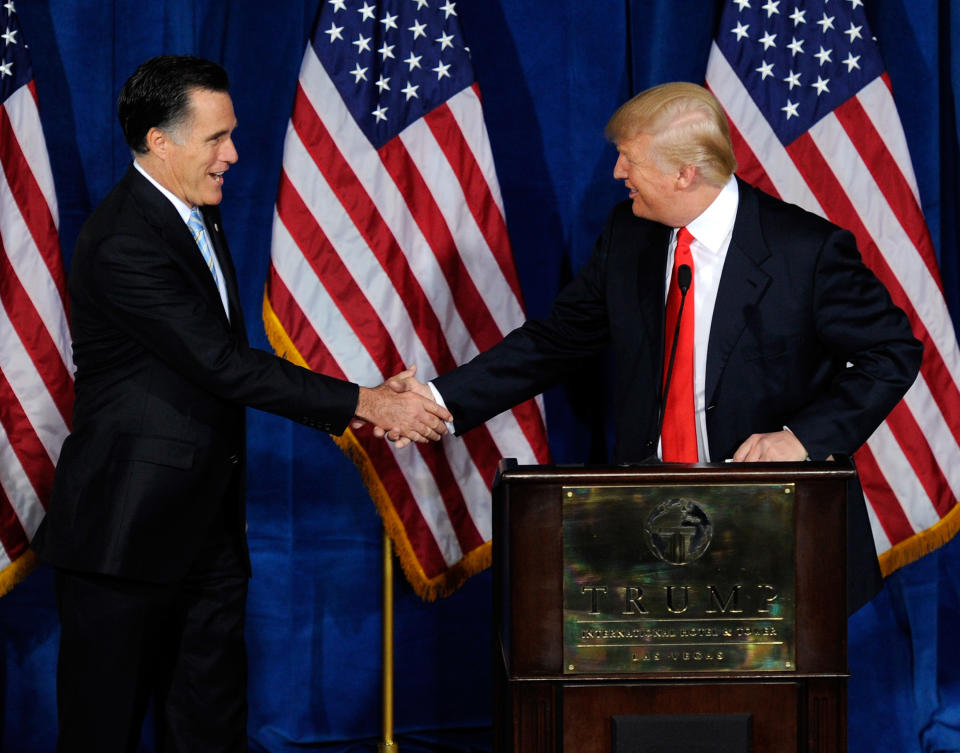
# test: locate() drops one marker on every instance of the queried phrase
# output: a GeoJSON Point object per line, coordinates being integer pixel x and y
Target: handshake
{"type": "Point", "coordinates": [402, 409]}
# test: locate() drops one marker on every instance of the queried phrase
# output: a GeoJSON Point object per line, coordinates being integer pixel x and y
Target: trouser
{"type": "Point", "coordinates": [123, 642]}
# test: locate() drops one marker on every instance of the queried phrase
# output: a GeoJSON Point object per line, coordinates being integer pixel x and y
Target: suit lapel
{"type": "Point", "coordinates": [169, 225]}
{"type": "Point", "coordinates": [742, 285]}
{"type": "Point", "coordinates": [651, 256]}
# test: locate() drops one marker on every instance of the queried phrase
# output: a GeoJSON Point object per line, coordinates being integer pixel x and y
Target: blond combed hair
{"type": "Point", "coordinates": [688, 127]}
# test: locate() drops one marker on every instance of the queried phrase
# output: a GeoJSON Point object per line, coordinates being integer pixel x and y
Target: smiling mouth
{"type": "Point", "coordinates": [218, 177]}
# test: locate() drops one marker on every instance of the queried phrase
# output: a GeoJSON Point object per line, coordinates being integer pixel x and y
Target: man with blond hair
{"type": "Point", "coordinates": [797, 350]}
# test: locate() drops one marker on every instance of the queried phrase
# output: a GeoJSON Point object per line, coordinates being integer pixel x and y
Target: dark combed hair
{"type": "Point", "coordinates": [157, 95]}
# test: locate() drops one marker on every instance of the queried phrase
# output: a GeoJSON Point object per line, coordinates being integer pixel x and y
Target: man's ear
{"type": "Point", "coordinates": [157, 142]}
{"type": "Point", "coordinates": [686, 175]}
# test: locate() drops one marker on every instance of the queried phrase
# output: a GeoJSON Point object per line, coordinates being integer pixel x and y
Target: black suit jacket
{"type": "Point", "coordinates": [157, 452]}
{"type": "Point", "coordinates": [803, 335]}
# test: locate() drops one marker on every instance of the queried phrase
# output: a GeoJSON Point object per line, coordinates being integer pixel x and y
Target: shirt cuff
{"type": "Point", "coordinates": [438, 399]}
{"type": "Point", "coordinates": [787, 428]}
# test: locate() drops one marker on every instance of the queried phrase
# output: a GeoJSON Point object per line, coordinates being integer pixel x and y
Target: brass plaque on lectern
{"type": "Point", "coordinates": [669, 578]}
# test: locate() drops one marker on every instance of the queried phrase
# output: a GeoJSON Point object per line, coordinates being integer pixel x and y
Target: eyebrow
{"type": "Point", "coordinates": [221, 132]}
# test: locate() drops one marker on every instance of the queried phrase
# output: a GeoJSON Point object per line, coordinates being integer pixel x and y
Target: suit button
{"type": "Point", "coordinates": [233, 459]}
{"type": "Point", "coordinates": [711, 406]}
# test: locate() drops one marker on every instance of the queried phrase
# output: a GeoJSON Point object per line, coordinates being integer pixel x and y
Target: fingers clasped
{"type": "Point", "coordinates": [402, 410]}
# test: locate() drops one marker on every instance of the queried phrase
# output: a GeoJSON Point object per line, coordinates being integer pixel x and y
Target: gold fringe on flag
{"type": "Point", "coordinates": [427, 588]}
{"type": "Point", "coordinates": [17, 570]}
{"type": "Point", "coordinates": [921, 543]}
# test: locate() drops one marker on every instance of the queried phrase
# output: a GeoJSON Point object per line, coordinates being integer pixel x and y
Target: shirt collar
{"type": "Point", "coordinates": [713, 227]}
{"type": "Point", "coordinates": [183, 209]}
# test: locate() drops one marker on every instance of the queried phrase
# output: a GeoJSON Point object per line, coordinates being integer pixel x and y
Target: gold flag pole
{"type": "Point", "coordinates": [387, 744]}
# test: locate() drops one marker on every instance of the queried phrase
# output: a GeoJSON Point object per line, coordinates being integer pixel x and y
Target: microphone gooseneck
{"type": "Point", "coordinates": [684, 278]}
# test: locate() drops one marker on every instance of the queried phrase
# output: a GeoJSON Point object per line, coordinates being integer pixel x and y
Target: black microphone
{"type": "Point", "coordinates": [684, 278]}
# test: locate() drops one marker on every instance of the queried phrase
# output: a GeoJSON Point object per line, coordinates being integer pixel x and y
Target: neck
{"type": "Point", "coordinates": [157, 169]}
{"type": "Point", "coordinates": [700, 197]}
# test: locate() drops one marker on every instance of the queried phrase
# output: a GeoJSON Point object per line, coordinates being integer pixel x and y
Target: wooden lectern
{"type": "Point", "coordinates": [655, 598]}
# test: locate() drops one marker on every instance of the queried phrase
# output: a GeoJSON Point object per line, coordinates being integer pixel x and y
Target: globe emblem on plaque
{"type": "Point", "coordinates": [678, 531]}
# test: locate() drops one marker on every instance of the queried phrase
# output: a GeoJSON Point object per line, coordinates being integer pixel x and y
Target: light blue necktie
{"type": "Point", "coordinates": [195, 223]}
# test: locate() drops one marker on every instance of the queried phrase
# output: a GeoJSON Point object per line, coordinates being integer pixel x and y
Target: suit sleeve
{"type": "Point", "coordinates": [147, 295]}
{"type": "Point", "coordinates": [875, 356]}
{"type": "Point", "coordinates": [538, 354]}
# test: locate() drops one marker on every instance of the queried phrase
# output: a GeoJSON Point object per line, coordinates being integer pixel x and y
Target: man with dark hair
{"type": "Point", "coordinates": [158, 95]}
{"type": "Point", "coordinates": [794, 348]}
{"type": "Point", "coordinates": [146, 525]}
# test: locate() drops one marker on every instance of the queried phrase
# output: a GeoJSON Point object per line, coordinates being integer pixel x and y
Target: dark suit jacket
{"type": "Point", "coordinates": [803, 335]}
{"type": "Point", "coordinates": [156, 456]}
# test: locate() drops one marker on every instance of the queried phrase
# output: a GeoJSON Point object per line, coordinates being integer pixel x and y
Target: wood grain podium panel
{"type": "Point", "coordinates": [788, 716]}
{"type": "Point", "coordinates": [540, 709]}
{"type": "Point", "coordinates": [588, 710]}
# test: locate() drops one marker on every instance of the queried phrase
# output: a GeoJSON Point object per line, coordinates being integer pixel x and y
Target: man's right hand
{"type": "Point", "coordinates": [403, 409]}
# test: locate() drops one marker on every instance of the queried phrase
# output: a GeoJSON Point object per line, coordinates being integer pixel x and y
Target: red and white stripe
{"type": "Point", "coordinates": [382, 258]}
{"type": "Point", "coordinates": [853, 167]}
{"type": "Point", "coordinates": [36, 368]}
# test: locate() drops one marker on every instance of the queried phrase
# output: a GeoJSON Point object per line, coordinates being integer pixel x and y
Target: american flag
{"type": "Point", "coordinates": [389, 248]}
{"type": "Point", "coordinates": [814, 122]}
{"type": "Point", "coordinates": [36, 368]}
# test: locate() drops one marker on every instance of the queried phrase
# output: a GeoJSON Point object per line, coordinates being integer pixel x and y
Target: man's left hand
{"type": "Point", "coordinates": [779, 446]}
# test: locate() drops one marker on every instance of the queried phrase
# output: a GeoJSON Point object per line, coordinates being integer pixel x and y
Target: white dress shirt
{"type": "Point", "coordinates": [711, 233]}
{"type": "Point", "coordinates": [183, 209]}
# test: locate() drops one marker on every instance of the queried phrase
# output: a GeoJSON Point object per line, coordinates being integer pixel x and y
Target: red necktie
{"type": "Point", "coordinates": [678, 440]}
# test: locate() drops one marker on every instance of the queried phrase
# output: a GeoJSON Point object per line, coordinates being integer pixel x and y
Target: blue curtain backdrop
{"type": "Point", "coordinates": [551, 73]}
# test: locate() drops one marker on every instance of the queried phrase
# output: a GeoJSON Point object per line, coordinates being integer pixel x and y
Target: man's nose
{"type": "Point", "coordinates": [619, 168]}
{"type": "Point", "coordinates": [229, 152]}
